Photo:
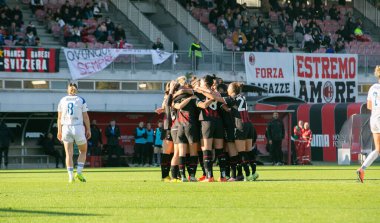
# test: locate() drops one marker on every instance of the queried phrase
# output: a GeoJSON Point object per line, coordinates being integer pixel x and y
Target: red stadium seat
{"type": "Point", "coordinates": [71, 45]}
{"type": "Point", "coordinates": [40, 15]}
{"type": "Point", "coordinates": [212, 28]}
{"type": "Point", "coordinates": [80, 45]}
{"type": "Point", "coordinates": [98, 45]}
{"type": "Point", "coordinates": [8, 42]}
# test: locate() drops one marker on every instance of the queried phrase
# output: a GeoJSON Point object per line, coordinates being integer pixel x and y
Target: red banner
{"type": "Point", "coordinates": [33, 60]}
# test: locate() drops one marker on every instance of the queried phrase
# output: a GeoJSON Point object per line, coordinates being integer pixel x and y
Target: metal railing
{"type": "Point", "coordinates": [192, 25]}
{"type": "Point", "coordinates": [368, 10]}
{"type": "Point", "coordinates": [142, 23]}
{"type": "Point", "coordinates": [227, 61]}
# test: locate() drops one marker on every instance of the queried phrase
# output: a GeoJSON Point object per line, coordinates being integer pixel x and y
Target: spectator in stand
{"type": "Point", "coordinates": [251, 45]}
{"type": "Point", "coordinates": [4, 20]}
{"type": "Point", "coordinates": [271, 41]}
{"type": "Point", "coordinates": [97, 12]}
{"type": "Point", "coordinates": [31, 28]}
{"type": "Point", "coordinates": [253, 22]}
{"type": "Point", "coordinates": [30, 39]}
{"type": "Point", "coordinates": [350, 25]}
{"type": "Point", "coordinates": [330, 49]}
{"type": "Point", "coordinates": [18, 23]}
{"type": "Point", "coordinates": [308, 42]}
{"type": "Point", "coordinates": [158, 45]}
{"type": "Point", "coordinates": [17, 11]}
{"type": "Point", "coordinates": [261, 45]}
{"type": "Point", "coordinates": [113, 147]}
{"type": "Point", "coordinates": [345, 33]}
{"type": "Point", "coordinates": [339, 45]}
{"type": "Point", "coordinates": [334, 13]}
{"type": "Point", "coordinates": [274, 5]}
{"type": "Point", "coordinates": [299, 33]}
{"type": "Point", "coordinates": [221, 31]}
{"type": "Point", "coordinates": [222, 21]}
{"type": "Point", "coordinates": [67, 6]}
{"type": "Point", "coordinates": [36, 4]}
{"type": "Point", "coordinates": [326, 40]}
{"type": "Point", "coordinates": [37, 42]}
{"type": "Point", "coordinates": [281, 40]}
{"type": "Point", "coordinates": [119, 34]}
{"type": "Point", "coordinates": [101, 32]}
{"type": "Point", "coordinates": [2, 36]}
{"type": "Point", "coordinates": [20, 42]}
{"type": "Point", "coordinates": [66, 15]}
{"type": "Point", "coordinates": [6, 137]}
{"type": "Point", "coordinates": [110, 26]}
{"type": "Point", "coordinates": [213, 16]}
{"type": "Point", "coordinates": [75, 34]}
{"type": "Point", "coordinates": [283, 19]}
{"type": "Point", "coordinates": [246, 29]}
{"type": "Point", "coordinates": [317, 39]}
{"type": "Point", "coordinates": [103, 3]}
{"type": "Point", "coordinates": [238, 22]}
{"type": "Point", "coordinates": [262, 30]}
{"type": "Point", "coordinates": [88, 11]}
{"type": "Point", "coordinates": [230, 23]}
{"type": "Point", "coordinates": [239, 39]}
{"type": "Point", "coordinates": [359, 35]}
{"type": "Point", "coordinates": [49, 149]}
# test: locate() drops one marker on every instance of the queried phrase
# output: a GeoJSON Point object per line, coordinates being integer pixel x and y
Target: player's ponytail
{"type": "Point", "coordinates": [377, 71]}
{"type": "Point", "coordinates": [72, 89]}
{"type": "Point", "coordinates": [236, 87]}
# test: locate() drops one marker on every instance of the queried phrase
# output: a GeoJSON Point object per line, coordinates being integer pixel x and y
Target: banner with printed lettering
{"type": "Point", "coordinates": [31, 60]}
{"type": "Point", "coordinates": [272, 71]}
{"type": "Point", "coordinates": [85, 62]}
{"type": "Point", "coordinates": [326, 78]}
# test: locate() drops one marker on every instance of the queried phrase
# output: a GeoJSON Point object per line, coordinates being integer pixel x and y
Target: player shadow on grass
{"type": "Point", "coordinates": [56, 213]}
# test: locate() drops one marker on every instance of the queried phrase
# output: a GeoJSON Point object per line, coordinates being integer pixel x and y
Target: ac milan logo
{"type": "Point", "coordinates": [252, 59]}
{"type": "Point", "coordinates": [328, 91]}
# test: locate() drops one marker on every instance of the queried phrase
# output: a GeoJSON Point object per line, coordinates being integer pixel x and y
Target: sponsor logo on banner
{"type": "Point", "coordinates": [272, 71]}
{"type": "Point", "coordinates": [36, 60]}
{"type": "Point", "coordinates": [325, 78]}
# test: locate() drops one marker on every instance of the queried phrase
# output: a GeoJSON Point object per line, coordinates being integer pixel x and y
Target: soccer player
{"type": "Point", "coordinates": [373, 104]}
{"type": "Point", "coordinates": [72, 114]}
{"type": "Point", "coordinates": [211, 129]}
{"type": "Point", "coordinates": [243, 127]}
{"type": "Point", "coordinates": [188, 135]}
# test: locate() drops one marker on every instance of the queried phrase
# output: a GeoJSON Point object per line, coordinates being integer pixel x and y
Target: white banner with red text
{"type": "Point", "coordinates": [315, 78]}
{"type": "Point", "coordinates": [86, 62]}
{"type": "Point", "coordinates": [272, 71]}
{"type": "Point", "coordinates": [326, 78]}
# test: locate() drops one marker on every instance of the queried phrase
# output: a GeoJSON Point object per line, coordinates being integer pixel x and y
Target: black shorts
{"type": "Point", "coordinates": [212, 129]}
{"type": "Point", "coordinates": [229, 134]}
{"type": "Point", "coordinates": [174, 133]}
{"type": "Point", "coordinates": [188, 133]}
{"type": "Point", "coordinates": [245, 133]}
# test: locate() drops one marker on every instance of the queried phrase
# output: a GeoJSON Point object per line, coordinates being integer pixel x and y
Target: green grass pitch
{"type": "Point", "coordinates": [282, 194]}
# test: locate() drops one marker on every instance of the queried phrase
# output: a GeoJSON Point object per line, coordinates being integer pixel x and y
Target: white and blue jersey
{"type": "Point", "coordinates": [72, 108]}
{"type": "Point", "coordinates": [374, 97]}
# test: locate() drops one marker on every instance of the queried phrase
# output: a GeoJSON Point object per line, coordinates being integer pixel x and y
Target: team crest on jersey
{"type": "Point", "coordinates": [252, 59]}
{"type": "Point", "coordinates": [328, 91]}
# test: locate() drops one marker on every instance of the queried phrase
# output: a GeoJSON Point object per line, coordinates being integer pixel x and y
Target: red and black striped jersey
{"type": "Point", "coordinates": [211, 112]}
{"type": "Point", "coordinates": [189, 114]}
{"type": "Point", "coordinates": [239, 109]}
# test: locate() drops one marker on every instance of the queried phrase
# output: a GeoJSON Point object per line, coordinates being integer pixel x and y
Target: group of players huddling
{"type": "Point", "coordinates": [206, 120]}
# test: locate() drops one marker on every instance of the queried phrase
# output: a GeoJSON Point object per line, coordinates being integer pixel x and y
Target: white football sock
{"type": "Point", "coordinates": [70, 171]}
{"type": "Point", "coordinates": [370, 158]}
{"type": "Point", "coordinates": [80, 168]}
